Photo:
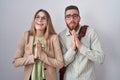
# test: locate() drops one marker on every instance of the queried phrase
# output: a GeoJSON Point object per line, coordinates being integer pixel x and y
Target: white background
{"type": "Point", "coordinates": [102, 15]}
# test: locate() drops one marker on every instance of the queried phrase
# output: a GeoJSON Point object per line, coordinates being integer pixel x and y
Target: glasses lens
{"type": "Point", "coordinates": [41, 18]}
{"type": "Point", "coordinates": [74, 16]}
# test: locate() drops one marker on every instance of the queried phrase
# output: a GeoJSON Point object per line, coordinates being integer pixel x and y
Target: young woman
{"type": "Point", "coordinates": [39, 50]}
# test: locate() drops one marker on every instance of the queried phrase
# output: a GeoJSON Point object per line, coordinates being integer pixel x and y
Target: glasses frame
{"type": "Point", "coordinates": [69, 16]}
{"type": "Point", "coordinates": [41, 18]}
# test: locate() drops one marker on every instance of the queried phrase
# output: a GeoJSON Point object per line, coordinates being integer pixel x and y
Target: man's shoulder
{"type": "Point", "coordinates": [63, 32]}
{"type": "Point", "coordinates": [90, 31]}
{"type": "Point", "coordinates": [89, 28]}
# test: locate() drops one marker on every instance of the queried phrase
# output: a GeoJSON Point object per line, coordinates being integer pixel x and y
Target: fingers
{"type": "Point", "coordinates": [73, 39]}
{"type": "Point", "coordinates": [38, 44]}
{"type": "Point", "coordinates": [73, 44]}
{"type": "Point", "coordinates": [73, 32]}
{"type": "Point", "coordinates": [76, 41]}
{"type": "Point", "coordinates": [38, 50]}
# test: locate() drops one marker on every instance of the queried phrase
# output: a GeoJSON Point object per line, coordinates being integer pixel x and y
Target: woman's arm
{"type": "Point", "coordinates": [19, 58]}
{"type": "Point", "coordinates": [56, 61]}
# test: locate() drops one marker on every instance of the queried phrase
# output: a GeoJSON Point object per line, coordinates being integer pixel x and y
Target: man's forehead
{"type": "Point", "coordinates": [72, 11]}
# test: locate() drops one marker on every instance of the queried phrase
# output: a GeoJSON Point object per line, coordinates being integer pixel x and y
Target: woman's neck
{"type": "Point", "coordinates": [40, 33]}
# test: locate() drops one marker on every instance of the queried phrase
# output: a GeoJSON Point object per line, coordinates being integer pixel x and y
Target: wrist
{"type": "Point", "coordinates": [79, 46]}
{"type": "Point", "coordinates": [74, 48]}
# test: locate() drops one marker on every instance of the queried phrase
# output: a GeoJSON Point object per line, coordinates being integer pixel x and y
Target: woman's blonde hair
{"type": "Point", "coordinates": [49, 28]}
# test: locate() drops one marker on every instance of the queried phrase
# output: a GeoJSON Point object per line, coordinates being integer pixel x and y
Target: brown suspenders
{"type": "Point", "coordinates": [81, 33]}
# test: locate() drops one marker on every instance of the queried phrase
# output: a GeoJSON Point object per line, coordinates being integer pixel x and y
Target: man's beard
{"type": "Point", "coordinates": [73, 27]}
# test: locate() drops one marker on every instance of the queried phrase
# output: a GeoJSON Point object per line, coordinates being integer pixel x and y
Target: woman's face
{"type": "Point", "coordinates": [40, 21]}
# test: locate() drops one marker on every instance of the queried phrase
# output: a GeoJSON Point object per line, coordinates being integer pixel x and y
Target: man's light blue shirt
{"type": "Point", "coordinates": [80, 62]}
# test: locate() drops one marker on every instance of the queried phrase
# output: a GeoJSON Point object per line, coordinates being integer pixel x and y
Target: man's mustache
{"type": "Point", "coordinates": [72, 22]}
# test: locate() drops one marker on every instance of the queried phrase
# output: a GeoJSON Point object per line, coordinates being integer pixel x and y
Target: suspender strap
{"type": "Point", "coordinates": [82, 31]}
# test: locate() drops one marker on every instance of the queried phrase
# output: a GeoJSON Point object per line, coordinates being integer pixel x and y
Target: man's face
{"type": "Point", "coordinates": [72, 19]}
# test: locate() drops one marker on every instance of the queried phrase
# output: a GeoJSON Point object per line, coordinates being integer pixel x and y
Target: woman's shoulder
{"type": "Point", "coordinates": [26, 33]}
{"type": "Point", "coordinates": [54, 36]}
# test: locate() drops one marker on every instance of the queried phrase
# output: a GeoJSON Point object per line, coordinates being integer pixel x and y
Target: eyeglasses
{"type": "Point", "coordinates": [41, 18]}
{"type": "Point", "coordinates": [74, 16]}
